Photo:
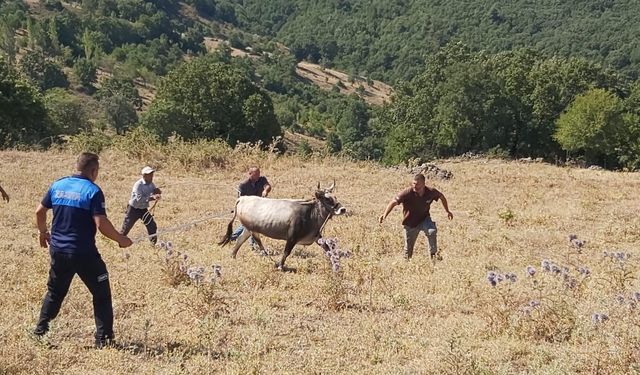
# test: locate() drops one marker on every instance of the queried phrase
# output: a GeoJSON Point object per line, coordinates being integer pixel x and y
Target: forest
{"type": "Point", "coordinates": [555, 80]}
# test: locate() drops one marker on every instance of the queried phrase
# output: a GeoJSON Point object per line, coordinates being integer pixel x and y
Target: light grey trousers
{"type": "Point", "coordinates": [429, 228]}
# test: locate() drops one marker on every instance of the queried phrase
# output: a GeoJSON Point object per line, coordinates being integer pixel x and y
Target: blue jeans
{"type": "Point", "coordinates": [429, 228]}
{"type": "Point", "coordinates": [238, 232]}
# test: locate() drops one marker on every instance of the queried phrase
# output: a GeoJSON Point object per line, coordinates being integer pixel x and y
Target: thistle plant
{"type": "Point", "coordinates": [174, 265]}
{"type": "Point", "coordinates": [619, 266]}
{"type": "Point", "coordinates": [331, 251]}
{"type": "Point", "coordinates": [576, 243]}
{"type": "Point", "coordinates": [502, 301]}
{"type": "Point", "coordinates": [599, 318]}
{"type": "Point", "coordinates": [494, 278]}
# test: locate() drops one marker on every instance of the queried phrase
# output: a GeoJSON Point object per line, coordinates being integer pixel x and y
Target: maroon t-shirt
{"type": "Point", "coordinates": [415, 208]}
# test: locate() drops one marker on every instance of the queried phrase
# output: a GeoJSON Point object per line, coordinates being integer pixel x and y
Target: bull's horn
{"type": "Point", "coordinates": [330, 188]}
{"type": "Point", "coordinates": [318, 185]}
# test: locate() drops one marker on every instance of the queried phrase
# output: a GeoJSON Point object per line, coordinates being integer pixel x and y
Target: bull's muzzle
{"type": "Point", "coordinates": [340, 211]}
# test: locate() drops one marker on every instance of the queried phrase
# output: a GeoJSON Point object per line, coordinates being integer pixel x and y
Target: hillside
{"type": "Point", "coordinates": [252, 71]}
{"type": "Point", "coordinates": [380, 314]}
{"type": "Point", "coordinates": [390, 40]}
{"type": "Point", "coordinates": [372, 92]}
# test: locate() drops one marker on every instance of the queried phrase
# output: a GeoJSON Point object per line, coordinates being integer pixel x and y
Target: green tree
{"type": "Point", "coordinates": [629, 154]}
{"type": "Point", "coordinates": [66, 112]}
{"type": "Point", "coordinates": [119, 113]}
{"type": "Point", "coordinates": [7, 40]}
{"type": "Point", "coordinates": [85, 70]}
{"type": "Point", "coordinates": [23, 118]}
{"type": "Point", "coordinates": [212, 100]}
{"type": "Point", "coordinates": [43, 72]}
{"type": "Point", "coordinates": [113, 86]}
{"type": "Point", "coordinates": [592, 125]}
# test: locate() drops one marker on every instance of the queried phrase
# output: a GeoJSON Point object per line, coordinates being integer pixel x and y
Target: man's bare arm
{"type": "Point", "coordinates": [41, 222]}
{"type": "Point", "coordinates": [106, 228]}
{"type": "Point", "coordinates": [387, 210]}
{"type": "Point", "coordinates": [445, 204]}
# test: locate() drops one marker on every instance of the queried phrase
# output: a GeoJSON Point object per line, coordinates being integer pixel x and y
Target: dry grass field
{"type": "Point", "coordinates": [379, 314]}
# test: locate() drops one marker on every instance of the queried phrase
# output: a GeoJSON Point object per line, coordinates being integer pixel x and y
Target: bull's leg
{"type": "Point", "coordinates": [258, 241]}
{"type": "Point", "coordinates": [287, 250]}
{"type": "Point", "coordinates": [243, 237]}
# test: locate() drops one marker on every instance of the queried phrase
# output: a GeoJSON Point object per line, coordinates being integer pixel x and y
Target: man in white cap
{"type": "Point", "coordinates": [142, 193]}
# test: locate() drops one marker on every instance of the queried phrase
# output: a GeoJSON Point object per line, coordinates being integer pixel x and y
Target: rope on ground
{"type": "Point", "coordinates": [178, 228]}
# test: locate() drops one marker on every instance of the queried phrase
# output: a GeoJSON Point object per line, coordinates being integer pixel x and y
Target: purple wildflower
{"type": "Point", "coordinates": [531, 271]}
{"type": "Point", "coordinates": [491, 278]}
{"type": "Point", "coordinates": [620, 298]}
{"type": "Point", "coordinates": [217, 270]}
{"type": "Point", "coordinates": [598, 318]}
{"type": "Point", "coordinates": [578, 244]}
{"type": "Point", "coordinates": [331, 251]}
{"type": "Point", "coordinates": [584, 271]}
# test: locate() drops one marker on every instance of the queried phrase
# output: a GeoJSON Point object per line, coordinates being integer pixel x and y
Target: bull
{"type": "Point", "coordinates": [295, 221]}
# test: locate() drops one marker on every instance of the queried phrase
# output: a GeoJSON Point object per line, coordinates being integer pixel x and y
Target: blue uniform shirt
{"type": "Point", "coordinates": [75, 201]}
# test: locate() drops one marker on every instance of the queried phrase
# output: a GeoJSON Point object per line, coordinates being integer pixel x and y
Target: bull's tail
{"type": "Point", "coordinates": [227, 237]}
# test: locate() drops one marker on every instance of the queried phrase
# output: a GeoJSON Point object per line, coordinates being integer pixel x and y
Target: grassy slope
{"type": "Point", "coordinates": [400, 317]}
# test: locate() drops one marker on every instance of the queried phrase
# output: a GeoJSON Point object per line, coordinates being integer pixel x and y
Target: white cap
{"type": "Point", "coordinates": [147, 170]}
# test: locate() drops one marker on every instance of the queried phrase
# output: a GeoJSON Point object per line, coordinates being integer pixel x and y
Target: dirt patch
{"type": "Point", "coordinates": [293, 140]}
{"type": "Point", "coordinates": [377, 93]}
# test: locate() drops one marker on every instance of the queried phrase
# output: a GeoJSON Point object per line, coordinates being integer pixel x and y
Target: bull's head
{"type": "Point", "coordinates": [329, 201]}
{"type": "Point", "coordinates": [330, 188]}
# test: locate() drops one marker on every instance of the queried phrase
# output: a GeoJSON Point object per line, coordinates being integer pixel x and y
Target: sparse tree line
{"type": "Point", "coordinates": [518, 103]}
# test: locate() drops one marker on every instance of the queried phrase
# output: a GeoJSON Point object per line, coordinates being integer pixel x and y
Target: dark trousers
{"type": "Point", "coordinates": [93, 273]}
{"type": "Point", "coordinates": [135, 214]}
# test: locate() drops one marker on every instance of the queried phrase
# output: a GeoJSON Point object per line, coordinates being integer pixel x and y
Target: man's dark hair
{"type": "Point", "coordinates": [87, 161]}
{"type": "Point", "coordinates": [419, 177]}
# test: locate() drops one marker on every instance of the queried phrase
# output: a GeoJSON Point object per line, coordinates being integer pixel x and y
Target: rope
{"type": "Point", "coordinates": [185, 226]}
{"type": "Point", "coordinates": [148, 216]}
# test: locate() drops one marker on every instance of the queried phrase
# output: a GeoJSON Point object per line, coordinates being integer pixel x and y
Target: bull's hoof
{"type": "Point", "coordinates": [285, 269]}
{"type": "Point", "coordinates": [233, 255]}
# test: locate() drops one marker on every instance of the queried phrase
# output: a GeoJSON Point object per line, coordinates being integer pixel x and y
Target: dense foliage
{"type": "Point", "coordinates": [516, 103]}
{"type": "Point", "coordinates": [390, 39]}
{"type": "Point", "coordinates": [207, 99]}
{"type": "Point", "coordinates": [569, 93]}
{"type": "Point", "coordinates": [23, 115]}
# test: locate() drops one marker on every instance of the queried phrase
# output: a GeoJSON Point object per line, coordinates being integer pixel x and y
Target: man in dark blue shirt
{"type": "Point", "coordinates": [254, 185]}
{"type": "Point", "coordinates": [78, 212]}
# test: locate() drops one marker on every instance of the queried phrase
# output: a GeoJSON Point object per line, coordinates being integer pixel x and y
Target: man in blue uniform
{"type": "Point", "coordinates": [78, 211]}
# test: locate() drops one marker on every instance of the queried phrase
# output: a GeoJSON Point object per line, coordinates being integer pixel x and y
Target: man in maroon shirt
{"type": "Point", "coordinates": [416, 201]}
